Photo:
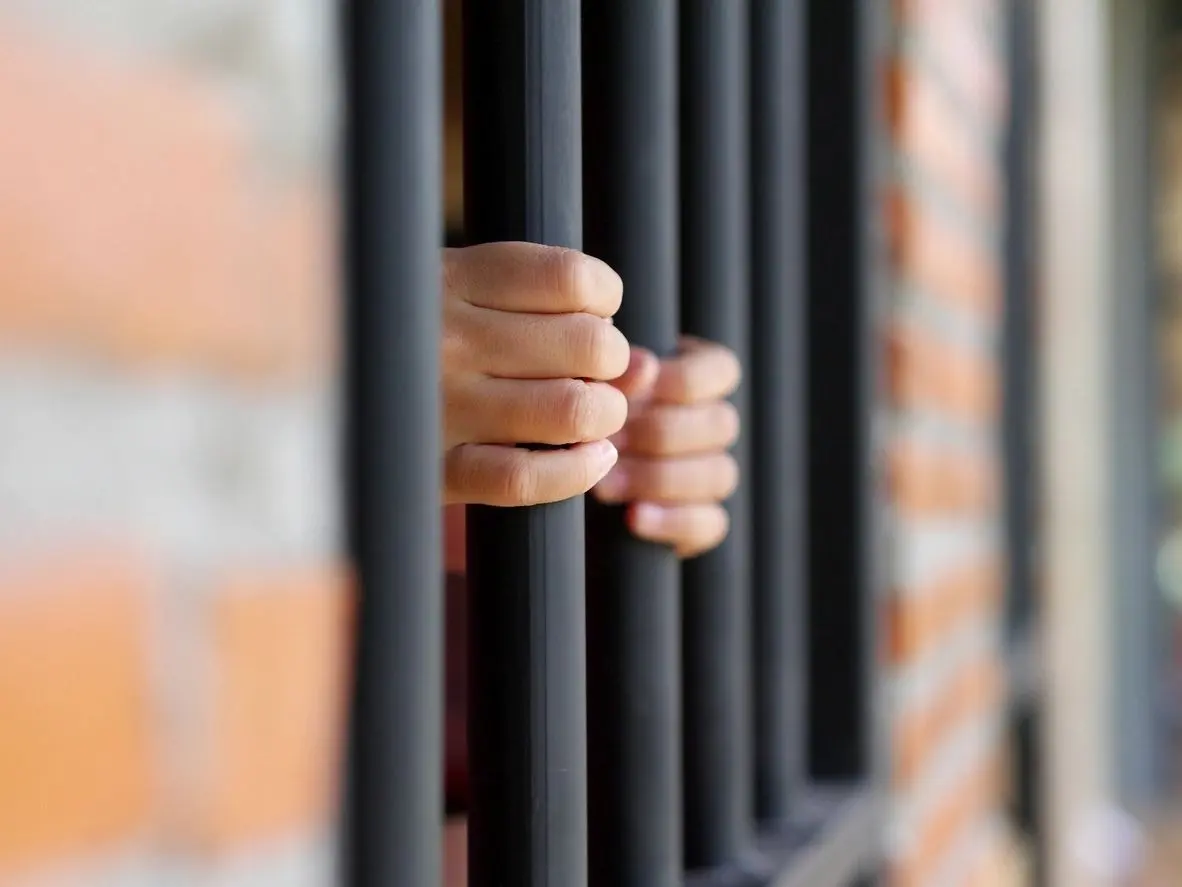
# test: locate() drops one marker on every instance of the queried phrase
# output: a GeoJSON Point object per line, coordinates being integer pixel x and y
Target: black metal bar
{"type": "Point", "coordinates": [715, 278]}
{"type": "Point", "coordinates": [1018, 380]}
{"type": "Point", "coordinates": [527, 703]}
{"type": "Point", "coordinates": [634, 609]}
{"type": "Point", "coordinates": [393, 223]}
{"type": "Point", "coordinates": [778, 417]}
{"type": "Point", "coordinates": [842, 649]}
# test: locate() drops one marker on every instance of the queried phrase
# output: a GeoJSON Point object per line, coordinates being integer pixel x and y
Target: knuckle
{"type": "Point", "coordinates": [602, 349]}
{"type": "Point", "coordinates": [579, 411]}
{"type": "Point", "coordinates": [568, 278]}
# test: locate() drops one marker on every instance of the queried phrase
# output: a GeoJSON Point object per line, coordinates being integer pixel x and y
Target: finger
{"type": "Point", "coordinates": [640, 376]}
{"type": "Point", "coordinates": [477, 474]}
{"type": "Point", "coordinates": [547, 411]}
{"type": "Point", "coordinates": [530, 277]}
{"type": "Point", "coordinates": [689, 529]}
{"type": "Point", "coordinates": [544, 346]}
{"type": "Point", "coordinates": [689, 479]}
{"type": "Point", "coordinates": [675, 430]}
{"type": "Point", "coordinates": [703, 371]}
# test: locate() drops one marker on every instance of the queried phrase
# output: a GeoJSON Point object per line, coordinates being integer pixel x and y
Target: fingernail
{"type": "Point", "coordinates": [639, 357]}
{"type": "Point", "coordinates": [601, 274]}
{"type": "Point", "coordinates": [605, 454]}
{"type": "Point", "coordinates": [647, 517]}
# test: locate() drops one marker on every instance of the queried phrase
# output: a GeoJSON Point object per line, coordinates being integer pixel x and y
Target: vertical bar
{"type": "Point", "coordinates": [1020, 406]}
{"type": "Point", "coordinates": [714, 261]}
{"type": "Point", "coordinates": [1019, 390]}
{"type": "Point", "coordinates": [392, 218]}
{"type": "Point", "coordinates": [527, 719]}
{"type": "Point", "coordinates": [841, 657]}
{"type": "Point", "coordinates": [778, 416]}
{"type": "Point", "coordinates": [634, 610]}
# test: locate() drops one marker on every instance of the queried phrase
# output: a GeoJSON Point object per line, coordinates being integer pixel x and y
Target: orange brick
{"type": "Point", "coordinates": [279, 646]}
{"type": "Point", "coordinates": [960, 809]}
{"type": "Point", "coordinates": [917, 619]}
{"type": "Point", "coordinates": [975, 689]}
{"type": "Point", "coordinates": [75, 733]}
{"type": "Point", "coordinates": [135, 225]}
{"type": "Point", "coordinates": [925, 481]}
{"type": "Point", "coordinates": [929, 134]}
{"type": "Point", "coordinates": [923, 372]}
{"type": "Point", "coordinates": [942, 261]}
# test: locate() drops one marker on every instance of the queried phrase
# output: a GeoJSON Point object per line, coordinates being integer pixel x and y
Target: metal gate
{"type": "Point", "coordinates": [634, 721]}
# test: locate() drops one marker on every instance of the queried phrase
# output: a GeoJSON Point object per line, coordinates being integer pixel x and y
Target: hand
{"type": "Point", "coordinates": [674, 469]}
{"type": "Point", "coordinates": [528, 349]}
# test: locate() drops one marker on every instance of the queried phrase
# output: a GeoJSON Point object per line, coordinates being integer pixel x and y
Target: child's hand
{"type": "Point", "coordinates": [674, 470]}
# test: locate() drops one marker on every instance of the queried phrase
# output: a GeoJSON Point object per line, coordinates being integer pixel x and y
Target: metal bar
{"type": "Point", "coordinates": [1020, 444]}
{"type": "Point", "coordinates": [841, 348]}
{"type": "Point", "coordinates": [778, 418]}
{"type": "Point", "coordinates": [634, 608]}
{"type": "Point", "coordinates": [527, 715]}
{"type": "Point", "coordinates": [714, 261]}
{"type": "Point", "coordinates": [393, 223]}
{"type": "Point", "coordinates": [1018, 380]}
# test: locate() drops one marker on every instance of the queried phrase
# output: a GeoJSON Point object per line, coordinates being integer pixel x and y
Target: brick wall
{"type": "Point", "coordinates": [171, 606]}
{"type": "Point", "coordinates": [943, 83]}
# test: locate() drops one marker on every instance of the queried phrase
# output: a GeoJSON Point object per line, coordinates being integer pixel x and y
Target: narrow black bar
{"type": "Point", "coordinates": [393, 224]}
{"type": "Point", "coordinates": [778, 417]}
{"type": "Point", "coordinates": [634, 610]}
{"type": "Point", "coordinates": [527, 718]}
{"type": "Point", "coordinates": [715, 264]}
{"type": "Point", "coordinates": [841, 656]}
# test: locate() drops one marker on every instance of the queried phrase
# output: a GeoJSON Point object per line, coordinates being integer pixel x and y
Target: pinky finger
{"type": "Point", "coordinates": [690, 529]}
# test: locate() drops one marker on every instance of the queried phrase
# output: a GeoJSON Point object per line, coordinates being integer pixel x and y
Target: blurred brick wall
{"type": "Point", "coordinates": [944, 82]}
{"type": "Point", "coordinates": [170, 601]}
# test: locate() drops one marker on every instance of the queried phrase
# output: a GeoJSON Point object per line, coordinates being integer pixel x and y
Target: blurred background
{"type": "Point", "coordinates": [173, 597]}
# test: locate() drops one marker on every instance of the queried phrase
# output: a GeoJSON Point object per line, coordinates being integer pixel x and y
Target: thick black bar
{"type": "Point", "coordinates": [842, 648]}
{"type": "Point", "coordinates": [634, 608]}
{"type": "Point", "coordinates": [1020, 411]}
{"type": "Point", "coordinates": [393, 223]}
{"type": "Point", "coordinates": [1019, 379]}
{"type": "Point", "coordinates": [778, 417]}
{"type": "Point", "coordinates": [715, 278]}
{"type": "Point", "coordinates": [527, 703]}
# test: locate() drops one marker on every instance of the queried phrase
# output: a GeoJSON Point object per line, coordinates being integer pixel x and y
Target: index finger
{"type": "Point", "coordinates": [702, 372]}
{"type": "Point", "coordinates": [532, 278]}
